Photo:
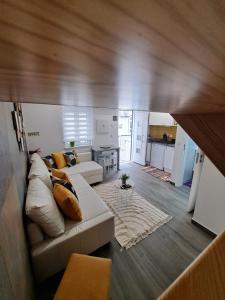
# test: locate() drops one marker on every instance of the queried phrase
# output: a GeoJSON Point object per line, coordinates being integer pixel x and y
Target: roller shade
{"type": "Point", "coordinates": [78, 125]}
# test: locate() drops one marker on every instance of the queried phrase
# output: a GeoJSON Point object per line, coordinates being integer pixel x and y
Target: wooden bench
{"type": "Point", "coordinates": [85, 278]}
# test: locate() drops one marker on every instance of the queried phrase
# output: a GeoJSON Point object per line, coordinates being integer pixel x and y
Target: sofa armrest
{"type": "Point", "coordinates": [52, 255]}
{"type": "Point", "coordinates": [84, 156]}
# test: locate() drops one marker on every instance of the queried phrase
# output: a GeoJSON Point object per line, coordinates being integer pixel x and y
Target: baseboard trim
{"type": "Point", "coordinates": [203, 228]}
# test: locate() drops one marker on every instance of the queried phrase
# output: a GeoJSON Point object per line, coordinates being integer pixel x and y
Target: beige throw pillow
{"type": "Point", "coordinates": [42, 209]}
{"type": "Point", "coordinates": [39, 169]}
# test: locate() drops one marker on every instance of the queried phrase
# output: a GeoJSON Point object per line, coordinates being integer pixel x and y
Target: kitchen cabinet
{"type": "Point", "coordinates": [157, 155]}
{"type": "Point", "coordinates": [160, 156]}
{"type": "Point", "coordinates": [168, 158]}
{"type": "Point", "coordinates": [163, 119]}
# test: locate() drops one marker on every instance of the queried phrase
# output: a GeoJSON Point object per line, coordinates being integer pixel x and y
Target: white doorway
{"type": "Point", "coordinates": [140, 132]}
{"type": "Point", "coordinates": [125, 134]}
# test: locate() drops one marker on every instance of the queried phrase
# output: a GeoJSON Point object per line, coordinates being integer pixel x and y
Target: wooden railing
{"type": "Point", "coordinates": [204, 279]}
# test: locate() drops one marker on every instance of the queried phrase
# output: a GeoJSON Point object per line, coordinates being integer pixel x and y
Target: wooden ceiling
{"type": "Point", "coordinates": [132, 54]}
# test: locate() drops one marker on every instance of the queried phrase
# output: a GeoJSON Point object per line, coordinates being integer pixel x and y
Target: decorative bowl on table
{"type": "Point", "coordinates": [125, 186]}
{"type": "Point", "coordinates": [105, 147]}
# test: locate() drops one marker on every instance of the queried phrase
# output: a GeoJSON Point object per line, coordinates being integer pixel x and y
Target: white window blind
{"type": "Point", "coordinates": [77, 125]}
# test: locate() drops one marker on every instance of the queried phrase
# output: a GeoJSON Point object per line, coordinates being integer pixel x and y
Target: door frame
{"type": "Point", "coordinates": [131, 134]}
{"type": "Point", "coordinates": [132, 139]}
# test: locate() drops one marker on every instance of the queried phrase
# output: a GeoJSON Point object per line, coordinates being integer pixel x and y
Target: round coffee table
{"type": "Point", "coordinates": [124, 194]}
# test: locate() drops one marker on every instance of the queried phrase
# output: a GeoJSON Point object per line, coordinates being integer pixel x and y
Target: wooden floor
{"type": "Point", "coordinates": [147, 269]}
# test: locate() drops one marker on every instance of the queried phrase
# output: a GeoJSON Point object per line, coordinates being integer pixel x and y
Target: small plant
{"type": "Point", "coordinates": [72, 144]}
{"type": "Point", "coordinates": [124, 177]}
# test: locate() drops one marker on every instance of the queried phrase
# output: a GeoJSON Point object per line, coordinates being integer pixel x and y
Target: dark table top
{"type": "Point", "coordinates": [98, 148]}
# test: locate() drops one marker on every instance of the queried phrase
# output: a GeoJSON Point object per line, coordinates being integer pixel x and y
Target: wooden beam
{"type": "Point", "coordinates": [208, 131]}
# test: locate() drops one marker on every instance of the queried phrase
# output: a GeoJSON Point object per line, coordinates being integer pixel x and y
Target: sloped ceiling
{"type": "Point", "coordinates": [150, 55]}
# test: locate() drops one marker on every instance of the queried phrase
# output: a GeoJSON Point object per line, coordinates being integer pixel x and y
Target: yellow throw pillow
{"type": "Point", "coordinates": [67, 202]}
{"type": "Point", "coordinates": [59, 159]}
{"type": "Point", "coordinates": [76, 157]}
{"type": "Point", "coordinates": [60, 174]}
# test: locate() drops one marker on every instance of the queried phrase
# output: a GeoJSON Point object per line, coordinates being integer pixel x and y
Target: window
{"type": "Point", "coordinates": [77, 125]}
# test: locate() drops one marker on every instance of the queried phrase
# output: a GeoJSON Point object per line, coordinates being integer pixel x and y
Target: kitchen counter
{"type": "Point", "coordinates": [161, 141]}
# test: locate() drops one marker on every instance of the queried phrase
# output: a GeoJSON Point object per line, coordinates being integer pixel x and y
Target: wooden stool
{"type": "Point", "coordinates": [85, 278]}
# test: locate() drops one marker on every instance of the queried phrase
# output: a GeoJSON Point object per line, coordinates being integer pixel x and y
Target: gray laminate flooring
{"type": "Point", "coordinates": [147, 269]}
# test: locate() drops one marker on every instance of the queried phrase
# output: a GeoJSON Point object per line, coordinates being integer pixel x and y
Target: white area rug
{"type": "Point", "coordinates": [135, 217]}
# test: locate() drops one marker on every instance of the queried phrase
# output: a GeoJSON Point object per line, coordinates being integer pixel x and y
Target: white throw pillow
{"type": "Point", "coordinates": [39, 169]}
{"type": "Point", "coordinates": [42, 209]}
{"type": "Point", "coordinates": [34, 156]}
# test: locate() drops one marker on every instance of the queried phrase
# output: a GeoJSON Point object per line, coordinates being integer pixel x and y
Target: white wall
{"type": "Point", "coordinates": [110, 138]}
{"type": "Point", "coordinates": [156, 118]}
{"type": "Point", "coordinates": [184, 155]}
{"type": "Point", "coordinates": [47, 120]}
{"type": "Point", "coordinates": [210, 203]}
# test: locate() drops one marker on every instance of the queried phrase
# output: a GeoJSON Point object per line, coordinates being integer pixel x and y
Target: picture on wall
{"type": "Point", "coordinates": [102, 126]}
{"type": "Point", "coordinates": [17, 117]}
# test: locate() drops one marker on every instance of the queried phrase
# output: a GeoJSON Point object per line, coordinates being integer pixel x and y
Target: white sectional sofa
{"type": "Point", "coordinates": [90, 170]}
{"type": "Point", "coordinates": [50, 255]}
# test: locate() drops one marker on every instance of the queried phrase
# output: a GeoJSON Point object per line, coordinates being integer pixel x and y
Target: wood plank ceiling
{"type": "Point", "coordinates": [149, 55]}
{"type": "Point", "coordinates": [162, 55]}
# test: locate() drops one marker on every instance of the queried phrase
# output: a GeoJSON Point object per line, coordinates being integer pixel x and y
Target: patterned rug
{"type": "Point", "coordinates": [135, 217]}
{"type": "Point", "coordinates": [165, 176]}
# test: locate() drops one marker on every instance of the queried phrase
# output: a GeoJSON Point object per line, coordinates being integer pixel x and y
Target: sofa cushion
{"type": "Point", "coordinates": [59, 159]}
{"type": "Point", "coordinates": [67, 202]}
{"type": "Point", "coordinates": [39, 170]}
{"type": "Point", "coordinates": [90, 203]}
{"type": "Point", "coordinates": [86, 169]}
{"type": "Point", "coordinates": [35, 233]}
{"type": "Point", "coordinates": [41, 208]}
